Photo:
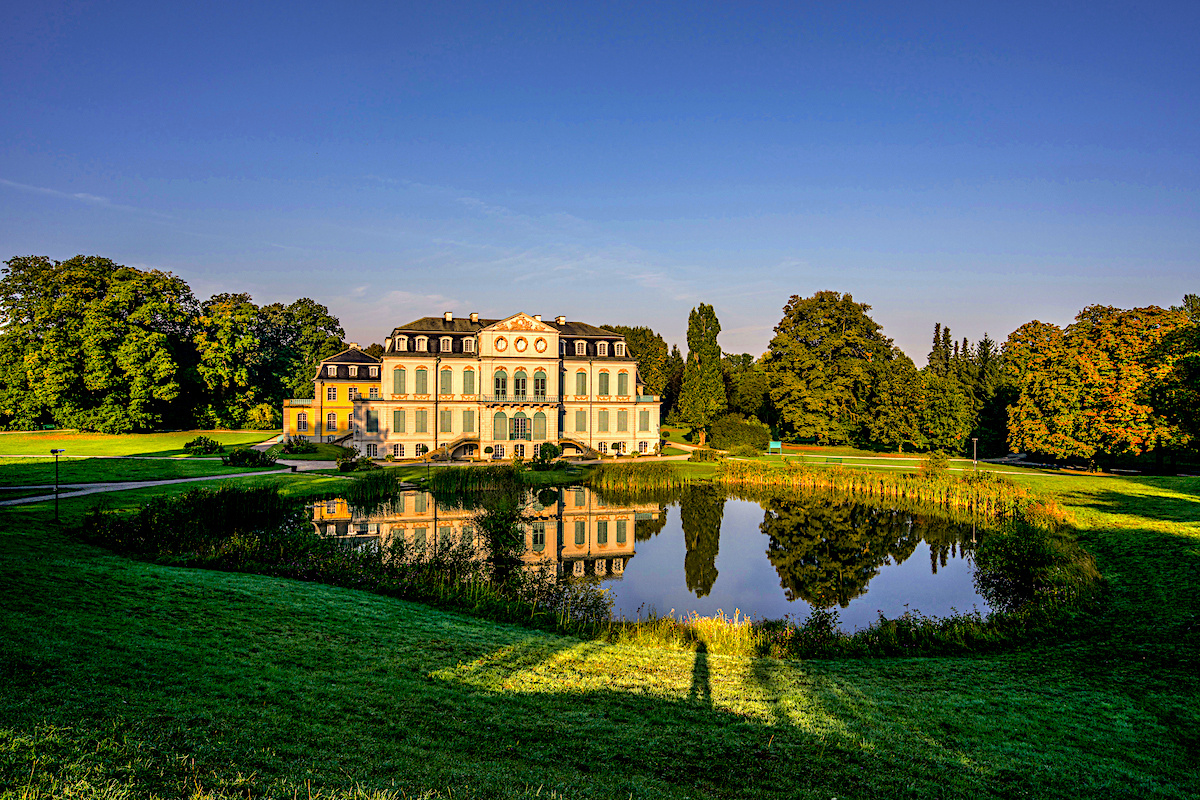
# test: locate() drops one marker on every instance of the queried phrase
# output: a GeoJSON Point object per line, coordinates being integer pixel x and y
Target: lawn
{"type": "Point", "coordinates": [40, 471]}
{"type": "Point", "coordinates": [133, 444]}
{"type": "Point", "coordinates": [324, 452]}
{"type": "Point", "coordinates": [129, 679]}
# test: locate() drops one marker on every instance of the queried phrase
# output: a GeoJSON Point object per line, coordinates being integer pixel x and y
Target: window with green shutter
{"type": "Point", "coordinates": [580, 383]}
{"type": "Point", "coordinates": [444, 420]}
{"type": "Point", "coordinates": [468, 420]}
{"type": "Point", "coordinates": [372, 421]}
{"type": "Point", "coordinates": [398, 380]}
{"type": "Point", "coordinates": [500, 383]}
{"type": "Point", "coordinates": [581, 420]}
{"type": "Point", "coordinates": [447, 384]}
{"type": "Point", "coordinates": [623, 384]}
{"type": "Point", "coordinates": [539, 426]}
{"type": "Point", "coordinates": [539, 384]}
{"type": "Point", "coordinates": [419, 501]}
{"type": "Point", "coordinates": [579, 498]}
{"type": "Point", "coordinates": [601, 531]}
{"type": "Point", "coordinates": [603, 391]}
{"type": "Point", "coordinates": [621, 531]}
{"type": "Point", "coordinates": [469, 381]}
{"type": "Point", "coordinates": [602, 420]}
{"type": "Point", "coordinates": [421, 420]}
{"type": "Point", "coordinates": [644, 420]}
{"type": "Point", "coordinates": [398, 421]}
{"type": "Point", "coordinates": [580, 532]}
{"type": "Point", "coordinates": [419, 537]}
{"type": "Point", "coordinates": [539, 536]}
{"type": "Point", "coordinates": [622, 420]}
{"type": "Point", "coordinates": [500, 427]}
{"type": "Point", "coordinates": [422, 386]}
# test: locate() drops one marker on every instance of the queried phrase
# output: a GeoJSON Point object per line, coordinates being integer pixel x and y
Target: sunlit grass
{"type": "Point", "coordinates": [133, 444]}
{"type": "Point", "coordinates": [40, 471]}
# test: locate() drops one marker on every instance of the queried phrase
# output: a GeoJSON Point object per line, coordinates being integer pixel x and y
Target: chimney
{"type": "Point", "coordinates": [387, 345]}
{"type": "Point", "coordinates": [560, 320]}
{"type": "Point", "coordinates": [475, 316]}
{"type": "Point", "coordinates": [538, 317]}
{"type": "Point", "coordinates": [448, 316]}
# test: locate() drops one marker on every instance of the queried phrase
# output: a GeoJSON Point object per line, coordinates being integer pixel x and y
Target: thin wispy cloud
{"type": "Point", "coordinates": [81, 197]}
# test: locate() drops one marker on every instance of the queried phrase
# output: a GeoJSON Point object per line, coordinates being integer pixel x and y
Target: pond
{"type": "Point", "coordinates": [701, 550]}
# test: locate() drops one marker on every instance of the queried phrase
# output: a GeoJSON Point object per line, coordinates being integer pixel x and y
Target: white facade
{"type": "Point", "coordinates": [460, 387]}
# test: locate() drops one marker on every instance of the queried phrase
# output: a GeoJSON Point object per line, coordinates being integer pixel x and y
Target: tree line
{"type": "Point", "coordinates": [1115, 384]}
{"type": "Point", "coordinates": [90, 344]}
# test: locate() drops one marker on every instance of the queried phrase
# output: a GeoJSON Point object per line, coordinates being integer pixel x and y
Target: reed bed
{"type": "Point", "coordinates": [984, 494]}
{"type": "Point", "coordinates": [656, 475]}
{"type": "Point", "coordinates": [458, 480]}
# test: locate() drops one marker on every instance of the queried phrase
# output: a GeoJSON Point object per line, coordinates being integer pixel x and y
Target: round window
{"type": "Point", "coordinates": [501, 343]}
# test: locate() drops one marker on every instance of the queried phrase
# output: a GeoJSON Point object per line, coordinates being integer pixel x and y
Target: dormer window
{"type": "Point", "coordinates": [331, 371]}
{"type": "Point", "coordinates": [468, 345]}
{"type": "Point", "coordinates": [422, 344]}
{"type": "Point", "coordinates": [402, 343]}
{"type": "Point", "coordinates": [373, 372]}
{"type": "Point", "coordinates": [353, 372]}
{"type": "Point", "coordinates": [581, 348]}
{"type": "Point", "coordinates": [619, 349]}
{"type": "Point", "coordinates": [446, 345]}
{"type": "Point", "coordinates": [601, 348]}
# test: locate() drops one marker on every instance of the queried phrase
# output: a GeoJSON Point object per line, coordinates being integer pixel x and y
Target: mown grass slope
{"type": "Point", "coordinates": [129, 679]}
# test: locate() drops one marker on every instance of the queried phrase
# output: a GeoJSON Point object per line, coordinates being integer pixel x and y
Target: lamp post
{"type": "Point", "coordinates": [56, 454]}
{"type": "Point", "coordinates": [975, 452]}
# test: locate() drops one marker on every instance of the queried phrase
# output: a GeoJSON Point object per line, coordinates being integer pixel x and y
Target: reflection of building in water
{"type": "Point", "coordinates": [578, 532]}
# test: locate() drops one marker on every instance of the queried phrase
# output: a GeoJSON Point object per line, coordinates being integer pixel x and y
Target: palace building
{"type": "Point", "coordinates": [483, 388]}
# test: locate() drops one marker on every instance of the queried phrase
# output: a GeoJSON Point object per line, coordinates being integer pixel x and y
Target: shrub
{"type": "Point", "coordinates": [704, 454]}
{"type": "Point", "coordinates": [732, 430]}
{"type": "Point", "coordinates": [245, 457]}
{"type": "Point", "coordinates": [544, 456]}
{"type": "Point", "coordinates": [292, 446]}
{"type": "Point", "coordinates": [203, 446]}
{"type": "Point", "coordinates": [743, 451]}
{"type": "Point", "coordinates": [1024, 563]}
{"type": "Point", "coordinates": [936, 463]}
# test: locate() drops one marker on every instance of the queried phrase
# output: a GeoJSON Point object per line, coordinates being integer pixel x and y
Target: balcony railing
{"type": "Point", "coordinates": [522, 398]}
{"type": "Point", "coordinates": [298, 402]}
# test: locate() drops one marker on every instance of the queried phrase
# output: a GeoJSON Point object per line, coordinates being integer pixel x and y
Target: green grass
{"type": "Point", "coordinates": [324, 452]}
{"type": "Point", "coordinates": [35, 471]}
{"type": "Point", "coordinates": [674, 451]}
{"type": "Point", "coordinates": [676, 433]}
{"type": "Point", "coordinates": [133, 444]}
{"type": "Point", "coordinates": [124, 679]}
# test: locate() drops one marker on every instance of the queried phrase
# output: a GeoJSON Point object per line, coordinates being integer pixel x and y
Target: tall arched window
{"type": "Point", "coordinates": [398, 382]}
{"type": "Point", "coordinates": [520, 426]}
{"type": "Point", "coordinates": [500, 383]}
{"type": "Point", "coordinates": [519, 383]}
{"type": "Point", "coordinates": [330, 423]}
{"type": "Point", "coordinates": [539, 383]}
{"type": "Point", "coordinates": [539, 426]}
{"type": "Point", "coordinates": [500, 427]}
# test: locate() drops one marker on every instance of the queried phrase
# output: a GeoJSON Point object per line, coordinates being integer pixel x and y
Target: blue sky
{"type": "Point", "coordinates": [979, 165]}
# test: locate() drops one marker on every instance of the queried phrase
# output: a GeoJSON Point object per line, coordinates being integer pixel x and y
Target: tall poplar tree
{"type": "Point", "coordinates": [702, 398]}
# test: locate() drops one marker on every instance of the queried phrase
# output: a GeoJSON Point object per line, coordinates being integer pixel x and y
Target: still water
{"type": "Point", "coordinates": [701, 551]}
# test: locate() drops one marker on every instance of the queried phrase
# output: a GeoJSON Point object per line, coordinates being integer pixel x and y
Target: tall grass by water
{"type": "Point", "coordinates": [983, 493]}
{"type": "Point", "coordinates": [460, 480]}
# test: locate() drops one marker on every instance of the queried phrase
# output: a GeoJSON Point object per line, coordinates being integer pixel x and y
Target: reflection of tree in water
{"type": "Point", "coordinates": [646, 529]}
{"type": "Point", "coordinates": [701, 507]}
{"type": "Point", "coordinates": [827, 551]}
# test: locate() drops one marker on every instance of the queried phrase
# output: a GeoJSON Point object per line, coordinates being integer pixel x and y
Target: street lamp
{"type": "Point", "coordinates": [56, 454]}
{"type": "Point", "coordinates": [975, 452]}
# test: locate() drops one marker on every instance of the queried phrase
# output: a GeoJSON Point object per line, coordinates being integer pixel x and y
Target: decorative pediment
{"type": "Point", "coordinates": [521, 322]}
